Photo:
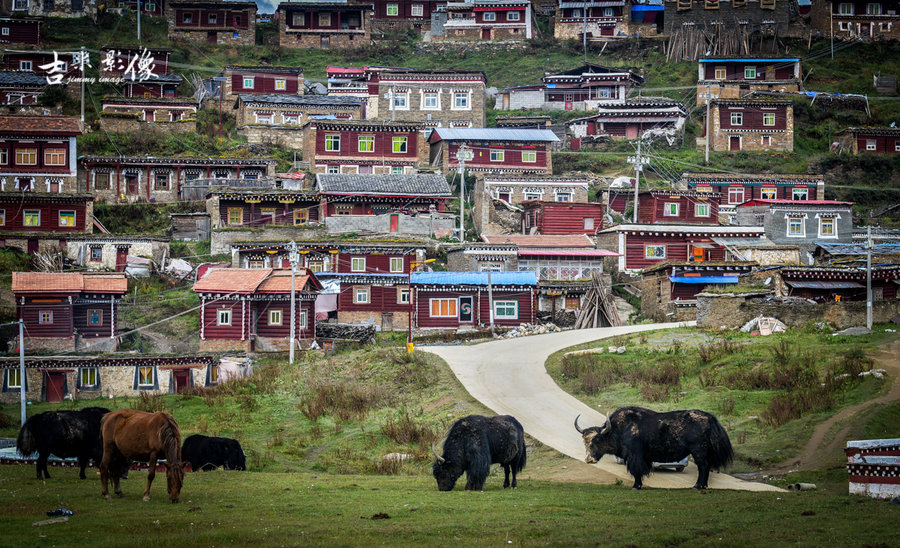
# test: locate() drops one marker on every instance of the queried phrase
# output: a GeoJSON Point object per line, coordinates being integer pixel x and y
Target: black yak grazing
{"type": "Point", "coordinates": [65, 434]}
{"type": "Point", "coordinates": [209, 453]}
{"type": "Point", "coordinates": [641, 436]}
{"type": "Point", "coordinates": [473, 444]}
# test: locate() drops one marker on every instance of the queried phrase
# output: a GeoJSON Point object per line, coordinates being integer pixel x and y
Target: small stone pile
{"type": "Point", "coordinates": [526, 329]}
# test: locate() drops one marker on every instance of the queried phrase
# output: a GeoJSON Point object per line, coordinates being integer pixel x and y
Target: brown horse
{"type": "Point", "coordinates": [137, 435]}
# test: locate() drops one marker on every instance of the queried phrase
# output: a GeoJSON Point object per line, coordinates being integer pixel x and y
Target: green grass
{"type": "Point", "coordinates": [307, 509]}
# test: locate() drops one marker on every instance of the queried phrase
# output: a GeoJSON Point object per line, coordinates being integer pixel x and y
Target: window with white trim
{"type": "Point", "coordinates": [89, 376]}
{"type": "Point", "coordinates": [396, 264]}
{"type": "Point", "coordinates": [366, 143]}
{"type": "Point", "coordinates": [302, 320]}
{"type": "Point", "coordinates": [736, 195]}
{"type": "Point", "coordinates": [871, 144]}
{"type": "Point", "coordinates": [654, 251]}
{"type": "Point", "coordinates": [275, 317]}
{"type": "Point", "coordinates": [737, 118]}
{"type": "Point", "coordinates": [248, 82]}
{"type": "Point", "coordinates": [223, 316]}
{"type": "Point", "coordinates": [400, 101]}
{"type": "Point", "coordinates": [588, 223]}
{"type": "Point", "coordinates": [399, 145]}
{"type": "Point", "coordinates": [529, 156]}
{"type": "Point", "coordinates": [461, 100]}
{"type": "Point", "coordinates": [417, 10]}
{"type": "Point", "coordinates": [670, 209]}
{"type": "Point", "coordinates": [299, 19]}
{"type": "Point", "coordinates": [67, 219]}
{"type": "Point", "coordinates": [873, 8]}
{"type": "Point", "coordinates": [4, 31]}
{"type": "Point", "coordinates": [332, 143]}
{"type": "Point", "coordinates": [490, 16]}
{"type": "Point", "coordinates": [799, 193]}
{"type": "Point", "coordinates": [768, 193]}
{"type": "Point", "coordinates": [280, 84]}
{"type": "Point", "coordinates": [514, 15]}
{"type": "Point", "coordinates": [357, 264]}
{"type": "Point", "coordinates": [720, 73]}
{"type": "Point", "coordinates": [827, 227]}
{"type": "Point", "coordinates": [430, 101]}
{"type": "Point", "coordinates": [267, 118]}
{"type": "Point", "coordinates": [768, 118]}
{"type": "Point", "coordinates": [497, 155]}
{"type": "Point", "coordinates": [749, 72]}
{"type": "Point", "coordinates": [796, 228]}
{"type": "Point", "coordinates": [361, 294]}
{"type": "Point", "coordinates": [13, 379]}
{"type": "Point", "coordinates": [393, 10]}
{"type": "Point", "coordinates": [701, 210]}
{"type": "Point", "coordinates": [442, 308]}
{"type": "Point", "coordinates": [24, 65]}
{"type": "Point", "coordinates": [846, 8]}
{"type": "Point", "coordinates": [506, 310]}
{"type": "Point", "coordinates": [563, 196]}
{"type": "Point", "coordinates": [402, 294]}
{"type": "Point", "coordinates": [31, 217]}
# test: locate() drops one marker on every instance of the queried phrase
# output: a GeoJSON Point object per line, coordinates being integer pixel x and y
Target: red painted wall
{"type": "Point", "coordinates": [284, 213]}
{"type": "Point", "coordinates": [12, 145]}
{"type": "Point", "coordinates": [677, 249]}
{"type": "Point", "coordinates": [652, 210]}
{"type": "Point", "coordinates": [15, 215]}
{"type": "Point", "coordinates": [374, 263]}
{"type": "Point", "coordinates": [382, 299]}
{"type": "Point", "coordinates": [264, 82]}
{"type": "Point", "coordinates": [93, 331]}
{"type": "Point", "coordinates": [233, 331]}
{"type": "Point", "coordinates": [481, 313]}
{"type": "Point", "coordinates": [564, 218]}
{"type": "Point", "coordinates": [404, 9]}
{"type": "Point", "coordinates": [753, 117]}
{"type": "Point", "coordinates": [21, 32]}
{"type": "Point", "coordinates": [229, 19]}
{"type": "Point", "coordinates": [383, 144]}
{"type": "Point", "coordinates": [512, 155]}
{"type": "Point", "coordinates": [883, 144]}
{"type": "Point", "coordinates": [62, 316]}
{"type": "Point", "coordinates": [735, 71]}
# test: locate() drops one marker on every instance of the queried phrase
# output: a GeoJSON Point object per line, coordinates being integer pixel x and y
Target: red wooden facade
{"type": "Point", "coordinates": [871, 140]}
{"type": "Point", "coordinates": [385, 147]}
{"type": "Point", "coordinates": [207, 16]}
{"type": "Point", "coordinates": [347, 194]}
{"type": "Point", "coordinates": [747, 115]}
{"type": "Point", "coordinates": [375, 293]}
{"type": "Point", "coordinates": [826, 284]}
{"type": "Point", "coordinates": [591, 82]}
{"type": "Point", "coordinates": [323, 16]}
{"type": "Point", "coordinates": [500, 150]}
{"type": "Point", "coordinates": [21, 31]}
{"type": "Point", "coordinates": [677, 207]}
{"type": "Point", "coordinates": [246, 304]}
{"type": "Point", "coordinates": [261, 208]}
{"type": "Point", "coordinates": [751, 70]}
{"type": "Point", "coordinates": [38, 150]}
{"type": "Point", "coordinates": [57, 305]}
{"type": "Point", "coordinates": [21, 88]}
{"type": "Point", "coordinates": [263, 79]}
{"type": "Point", "coordinates": [734, 189]}
{"type": "Point", "coordinates": [416, 11]}
{"type": "Point", "coordinates": [562, 217]}
{"type": "Point", "coordinates": [31, 61]}
{"type": "Point", "coordinates": [459, 299]}
{"type": "Point", "coordinates": [388, 258]}
{"type": "Point", "coordinates": [118, 59]}
{"type": "Point", "coordinates": [44, 213]}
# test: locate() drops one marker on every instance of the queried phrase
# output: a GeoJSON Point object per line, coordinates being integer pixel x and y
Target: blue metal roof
{"type": "Point", "coordinates": [704, 279]}
{"type": "Point", "coordinates": [524, 277]}
{"type": "Point", "coordinates": [750, 60]}
{"type": "Point", "coordinates": [639, 7]}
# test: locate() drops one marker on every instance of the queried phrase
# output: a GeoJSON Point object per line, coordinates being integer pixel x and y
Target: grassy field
{"type": "Point", "coordinates": [294, 509]}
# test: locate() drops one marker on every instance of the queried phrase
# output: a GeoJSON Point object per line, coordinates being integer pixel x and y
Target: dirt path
{"type": "Point", "coordinates": [508, 376]}
{"type": "Point", "coordinates": [887, 357]}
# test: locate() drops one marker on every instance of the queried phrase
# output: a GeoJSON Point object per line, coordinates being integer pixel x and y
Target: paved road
{"type": "Point", "coordinates": [508, 376]}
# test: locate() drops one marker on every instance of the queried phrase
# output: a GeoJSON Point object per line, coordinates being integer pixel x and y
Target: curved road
{"type": "Point", "coordinates": [508, 376]}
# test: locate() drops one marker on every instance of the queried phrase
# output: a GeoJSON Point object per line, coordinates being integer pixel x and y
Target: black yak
{"type": "Point", "coordinates": [473, 444]}
{"type": "Point", "coordinates": [209, 453]}
{"type": "Point", "coordinates": [65, 434]}
{"type": "Point", "coordinates": [641, 436]}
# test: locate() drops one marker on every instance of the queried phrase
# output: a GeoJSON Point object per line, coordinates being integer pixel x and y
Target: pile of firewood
{"type": "Point", "coordinates": [598, 309]}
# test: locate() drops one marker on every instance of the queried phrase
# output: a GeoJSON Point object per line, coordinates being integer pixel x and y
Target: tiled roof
{"type": "Point", "coordinates": [264, 68]}
{"type": "Point", "coordinates": [539, 240]}
{"type": "Point", "coordinates": [49, 282]}
{"type": "Point", "coordinates": [412, 184]}
{"type": "Point", "coordinates": [495, 134]}
{"type": "Point", "coordinates": [254, 280]}
{"type": "Point", "coordinates": [15, 77]}
{"type": "Point", "coordinates": [312, 100]}
{"type": "Point", "coordinates": [41, 125]}
{"type": "Point", "coordinates": [280, 282]}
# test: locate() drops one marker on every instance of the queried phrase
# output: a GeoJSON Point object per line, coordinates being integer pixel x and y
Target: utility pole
{"type": "Point", "coordinates": [638, 162]}
{"type": "Point", "coordinates": [22, 368]}
{"type": "Point", "coordinates": [708, 124]}
{"type": "Point", "coordinates": [584, 32]}
{"type": "Point", "coordinates": [461, 156]}
{"type": "Point", "coordinates": [831, 27]}
{"type": "Point", "coordinates": [869, 277]}
{"type": "Point", "coordinates": [293, 257]}
{"type": "Point", "coordinates": [82, 84]}
{"type": "Point", "coordinates": [491, 302]}
{"type": "Point", "coordinates": [139, 20]}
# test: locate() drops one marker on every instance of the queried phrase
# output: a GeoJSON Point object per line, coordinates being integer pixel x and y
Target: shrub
{"type": "Point", "coordinates": [150, 403]}
{"type": "Point", "coordinates": [405, 430]}
{"type": "Point", "coordinates": [348, 400]}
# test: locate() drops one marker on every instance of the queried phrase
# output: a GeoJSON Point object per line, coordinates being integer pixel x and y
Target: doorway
{"type": "Point", "coordinates": [55, 387]}
{"type": "Point", "coordinates": [182, 379]}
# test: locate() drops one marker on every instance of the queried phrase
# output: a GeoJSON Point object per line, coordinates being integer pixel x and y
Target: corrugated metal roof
{"type": "Point", "coordinates": [755, 242]}
{"type": "Point", "coordinates": [859, 249]}
{"type": "Point", "coordinates": [495, 134]}
{"type": "Point", "coordinates": [568, 252]}
{"type": "Point", "coordinates": [21, 78]}
{"type": "Point", "coordinates": [824, 285]}
{"type": "Point", "coordinates": [524, 277]}
{"type": "Point", "coordinates": [406, 184]}
{"type": "Point", "coordinates": [704, 279]}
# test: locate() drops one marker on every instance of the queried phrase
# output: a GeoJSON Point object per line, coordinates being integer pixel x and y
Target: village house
{"type": "Point", "coordinates": [213, 21]}
{"type": "Point", "coordinates": [37, 222]}
{"type": "Point", "coordinates": [400, 15]}
{"type": "Point", "coordinates": [60, 8]}
{"type": "Point", "coordinates": [801, 223]}
{"type": "Point", "coordinates": [152, 8]}
{"type": "Point", "coordinates": [153, 110]}
{"type": "Point", "coordinates": [278, 118]}
{"type": "Point", "coordinates": [127, 179]}
{"type": "Point", "coordinates": [53, 379]}
{"type": "Point", "coordinates": [69, 311]}
{"type": "Point", "coordinates": [750, 124]}
{"type": "Point", "coordinates": [824, 284]}
{"type": "Point", "coordinates": [497, 20]}
{"type": "Point", "coordinates": [329, 257]}
{"type": "Point", "coordinates": [643, 246]}
{"type": "Point", "coordinates": [736, 77]}
{"type": "Point", "coordinates": [40, 62]}
{"type": "Point", "coordinates": [262, 80]}
{"type": "Point", "coordinates": [746, 17]}
{"type": "Point", "coordinates": [856, 19]}
{"type": "Point", "coordinates": [583, 88]}
{"type": "Point", "coordinates": [669, 290]}
{"type": "Point", "coordinates": [459, 300]}
{"type": "Point", "coordinates": [20, 88]}
{"type": "Point", "coordinates": [494, 194]}
{"type": "Point", "coordinates": [350, 81]}
{"type": "Point", "coordinates": [669, 206]}
{"type": "Point", "coordinates": [874, 140]}
{"type": "Point", "coordinates": [250, 309]}
{"type": "Point", "coordinates": [20, 30]}
{"type": "Point", "coordinates": [633, 119]}
{"type": "Point", "coordinates": [375, 299]}
{"type": "Point", "coordinates": [336, 24]}
{"type": "Point", "coordinates": [599, 19]}
{"type": "Point", "coordinates": [116, 251]}
{"type": "Point", "coordinates": [733, 189]}
{"type": "Point", "coordinates": [385, 204]}
{"type": "Point", "coordinates": [37, 153]}
{"type": "Point", "coordinates": [524, 122]}
{"type": "Point", "coordinates": [492, 151]}
{"type": "Point", "coordinates": [364, 147]}
{"type": "Point", "coordinates": [552, 217]}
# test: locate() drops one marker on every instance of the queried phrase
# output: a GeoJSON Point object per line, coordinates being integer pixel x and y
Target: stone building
{"type": "Point", "coordinates": [872, 140]}
{"type": "Point", "coordinates": [61, 8]}
{"type": "Point", "coordinates": [436, 98]}
{"type": "Point", "coordinates": [488, 20]}
{"type": "Point", "coordinates": [262, 80]}
{"type": "Point", "coordinates": [669, 290]}
{"type": "Point", "coordinates": [583, 88]}
{"type": "Point", "coordinates": [337, 24]}
{"type": "Point", "coordinates": [111, 251]}
{"type": "Point", "coordinates": [488, 215]}
{"type": "Point", "coordinates": [213, 21]}
{"type": "Point", "coordinates": [640, 117]}
{"type": "Point", "coordinates": [737, 77]}
{"type": "Point", "coordinates": [278, 118]}
{"type": "Point", "coordinates": [751, 125]}
{"type": "Point", "coordinates": [856, 19]}
{"type": "Point", "coordinates": [152, 109]}
{"type": "Point", "coordinates": [603, 19]}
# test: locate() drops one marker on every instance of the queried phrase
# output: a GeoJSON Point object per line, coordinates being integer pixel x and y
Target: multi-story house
{"type": "Point", "coordinates": [494, 218]}
{"type": "Point", "coordinates": [262, 208]}
{"type": "Point", "coordinates": [751, 125]}
{"type": "Point", "coordinates": [294, 110]}
{"type": "Point", "coordinates": [498, 20]}
{"type": "Point", "coordinates": [599, 18]}
{"type": "Point", "coordinates": [37, 153]}
{"type": "Point", "coordinates": [21, 88]}
{"type": "Point", "coordinates": [438, 98]}
{"type": "Point", "coordinates": [398, 15]}
{"type": "Point", "coordinates": [856, 19]}
{"type": "Point", "coordinates": [213, 21]}
{"type": "Point", "coordinates": [20, 30]}
{"type": "Point", "coordinates": [551, 217]}
{"type": "Point", "coordinates": [161, 179]}
{"type": "Point", "coordinates": [872, 140]}
{"type": "Point", "coordinates": [336, 24]}
{"type": "Point", "coordinates": [583, 88]}
{"type": "Point", "coordinates": [734, 189]}
{"type": "Point", "coordinates": [493, 151]}
{"type": "Point", "coordinates": [737, 77]}
{"type": "Point", "coordinates": [364, 147]}
{"type": "Point", "coordinates": [629, 120]}
{"type": "Point", "coordinates": [262, 80]}
{"type": "Point", "coordinates": [40, 221]}
{"type": "Point", "coordinates": [36, 60]}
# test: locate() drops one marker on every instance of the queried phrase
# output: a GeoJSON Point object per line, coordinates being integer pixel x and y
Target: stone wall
{"type": "Point", "coordinates": [438, 224]}
{"type": "Point", "coordinates": [730, 311]}
{"type": "Point", "coordinates": [224, 345]}
{"type": "Point", "coordinates": [399, 321]}
{"type": "Point", "coordinates": [447, 117]}
{"type": "Point", "coordinates": [752, 140]}
{"type": "Point", "coordinates": [336, 39]}
{"type": "Point", "coordinates": [290, 137]}
{"type": "Point", "coordinates": [126, 123]}
{"type": "Point", "coordinates": [221, 239]}
{"type": "Point", "coordinates": [79, 250]}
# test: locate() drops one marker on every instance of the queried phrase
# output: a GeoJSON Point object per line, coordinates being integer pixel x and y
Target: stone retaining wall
{"type": "Point", "coordinates": [730, 311]}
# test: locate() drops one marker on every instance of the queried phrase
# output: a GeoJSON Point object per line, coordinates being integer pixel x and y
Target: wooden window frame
{"type": "Point", "coordinates": [655, 256]}
{"type": "Point", "coordinates": [31, 214]}
{"type": "Point", "coordinates": [353, 262]}
{"type": "Point", "coordinates": [55, 157]}
{"type": "Point", "coordinates": [399, 145]}
{"type": "Point", "coordinates": [26, 153]}
{"type": "Point", "coordinates": [45, 317]}
{"type": "Point", "coordinates": [671, 209]}
{"type": "Point", "coordinates": [276, 317]}
{"type": "Point", "coordinates": [333, 143]}
{"type": "Point", "coordinates": [531, 157]}
{"type": "Point", "coordinates": [224, 314]}
{"type": "Point", "coordinates": [233, 211]}
{"type": "Point", "coordinates": [99, 256]}
{"type": "Point", "coordinates": [698, 208]}
{"type": "Point", "coordinates": [145, 373]}
{"type": "Point", "coordinates": [393, 260]}
{"type": "Point", "coordinates": [365, 290]}
{"type": "Point", "coordinates": [365, 143]}
{"type": "Point", "coordinates": [99, 312]}
{"type": "Point", "coordinates": [504, 304]}
{"type": "Point", "coordinates": [452, 307]}
{"type": "Point", "coordinates": [799, 222]}
{"type": "Point", "coordinates": [85, 374]}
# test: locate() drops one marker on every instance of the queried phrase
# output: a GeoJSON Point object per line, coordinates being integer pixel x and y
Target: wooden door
{"type": "Point", "coordinates": [121, 258]}
{"type": "Point", "coordinates": [55, 387]}
{"type": "Point", "coordinates": [131, 184]}
{"type": "Point", "coordinates": [182, 381]}
{"type": "Point", "coordinates": [212, 37]}
{"type": "Point", "coordinates": [486, 34]}
{"type": "Point", "coordinates": [395, 222]}
{"type": "Point", "coordinates": [734, 143]}
{"type": "Point", "coordinates": [631, 131]}
{"type": "Point", "coordinates": [32, 246]}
